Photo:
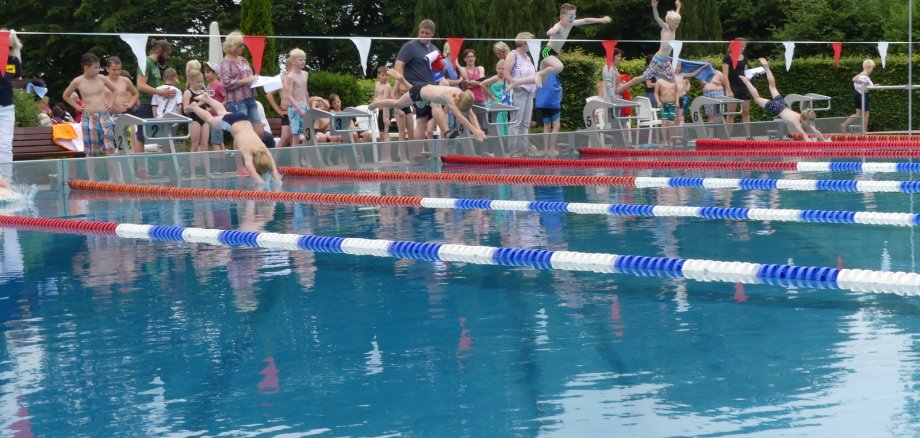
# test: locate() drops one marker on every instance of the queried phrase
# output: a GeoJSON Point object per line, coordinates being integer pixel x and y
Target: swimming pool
{"type": "Point", "coordinates": [134, 338]}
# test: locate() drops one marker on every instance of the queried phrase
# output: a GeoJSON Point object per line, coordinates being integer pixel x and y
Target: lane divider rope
{"type": "Point", "coordinates": [741, 152]}
{"type": "Point", "coordinates": [616, 181]}
{"type": "Point", "coordinates": [622, 210]}
{"type": "Point", "coordinates": [799, 166]}
{"type": "Point", "coordinates": [719, 143]}
{"type": "Point", "coordinates": [901, 283]}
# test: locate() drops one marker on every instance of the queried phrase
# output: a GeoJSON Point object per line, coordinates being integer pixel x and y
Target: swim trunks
{"type": "Point", "coordinates": [668, 111]}
{"type": "Point", "coordinates": [776, 105]}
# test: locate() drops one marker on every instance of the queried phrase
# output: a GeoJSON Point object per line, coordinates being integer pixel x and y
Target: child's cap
{"type": "Point", "coordinates": [212, 66]}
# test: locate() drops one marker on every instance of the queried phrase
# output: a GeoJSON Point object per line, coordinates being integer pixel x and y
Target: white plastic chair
{"type": "Point", "coordinates": [648, 116]}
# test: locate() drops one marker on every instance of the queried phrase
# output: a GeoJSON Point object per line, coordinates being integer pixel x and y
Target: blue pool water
{"type": "Point", "coordinates": [103, 336]}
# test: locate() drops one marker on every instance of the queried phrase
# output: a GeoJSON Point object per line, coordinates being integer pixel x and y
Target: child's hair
{"type": "Point", "coordinates": [209, 67]}
{"type": "Point", "coordinates": [161, 46]}
{"type": "Point", "coordinates": [58, 110]}
{"type": "Point", "coordinates": [112, 60]}
{"type": "Point", "coordinates": [618, 51]}
{"type": "Point", "coordinates": [88, 60]}
{"type": "Point", "coordinates": [170, 74]}
{"type": "Point", "coordinates": [382, 69]}
{"type": "Point", "coordinates": [467, 52]}
{"type": "Point", "coordinates": [192, 77]}
{"type": "Point", "coordinates": [521, 38]}
{"type": "Point", "coordinates": [332, 97]}
{"type": "Point", "coordinates": [296, 53]}
{"type": "Point", "coordinates": [499, 64]}
{"type": "Point", "coordinates": [232, 41]}
{"type": "Point", "coordinates": [501, 45]}
{"type": "Point", "coordinates": [465, 102]}
{"type": "Point", "coordinates": [672, 16]}
{"type": "Point", "coordinates": [262, 162]}
{"type": "Point", "coordinates": [192, 65]}
{"type": "Point", "coordinates": [566, 8]}
{"type": "Point", "coordinates": [868, 63]}
{"type": "Point", "coordinates": [808, 115]}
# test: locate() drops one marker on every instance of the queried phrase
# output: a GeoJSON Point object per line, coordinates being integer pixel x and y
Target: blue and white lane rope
{"type": "Point", "coordinates": [730, 213]}
{"type": "Point", "coordinates": [901, 283]}
{"type": "Point", "coordinates": [857, 167]}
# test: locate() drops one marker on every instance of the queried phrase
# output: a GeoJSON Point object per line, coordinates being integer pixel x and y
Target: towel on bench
{"type": "Point", "coordinates": [68, 136]}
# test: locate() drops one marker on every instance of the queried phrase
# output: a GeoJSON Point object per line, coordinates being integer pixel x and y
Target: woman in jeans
{"type": "Point", "coordinates": [237, 77]}
{"type": "Point", "coordinates": [518, 65]}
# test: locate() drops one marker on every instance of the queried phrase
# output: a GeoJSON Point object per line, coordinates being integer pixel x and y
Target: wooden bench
{"type": "Point", "coordinates": [275, 125]}
{"type": "Point", "coordinates": [35, 143]}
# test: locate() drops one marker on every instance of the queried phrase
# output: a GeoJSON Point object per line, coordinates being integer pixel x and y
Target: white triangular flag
{"type": "Point", "coordinates": [790, 47]}
{"type": "Point", "coordinates": [534, 46]}
{"type": "Point", "coordinates": [364, 48]}
{"type": "Point", "coordinates": [137, 43]}
{"type": "Point", "coordinates": [883, 51]}
{"type": "Point", "coordinates": [676, 45]}
{"type": "Point", "coordinates": [215, 49]}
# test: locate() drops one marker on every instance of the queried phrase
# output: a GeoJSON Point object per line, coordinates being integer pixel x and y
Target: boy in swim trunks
{"type": "Point", "coordinates": [549, 56]}
{"type": "Point", "coordinates": [256, 158]}
{"type": "Point", "coordinates": [295, 92]}
{"type": "Point", "coordinates": [659, 66]}
{"type": "Point", "coordinates": [667, 96]}
{"type": "Point", "coordinates": [778, 108]}
{"type": "Point", "coordinates": [421, 95]}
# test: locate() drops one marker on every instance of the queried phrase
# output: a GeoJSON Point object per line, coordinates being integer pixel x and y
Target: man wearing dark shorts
{"type": "Point", "coordinates": [412, 64]}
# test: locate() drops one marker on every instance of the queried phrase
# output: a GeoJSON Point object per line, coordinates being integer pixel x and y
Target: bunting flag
{"type": "Point", "coordinates": [364, 49]}
{"type": "Point", "coordinates": [790, 47]}
{"type": "Point", "coordinates": [256, 46]}
{"type": "Point", "coordinates": [4, 49]}
{"type": "Point", "coordinates": [215, 50]}
{"type": "Point", "coordinates": [455, 45]}
{"type": "Point", "coordinates": [137, 43]}
{"type": "Point", "coordinates": [734, 51]}
{"type": "Point", "coordinates": [677, 45]}
{"type": "Point", "coordinates": [883, 51]}
{"type": "Point", "coordinates": [609, 45]}
{"type": "Point", "coordinates": [838, 47]}
{"type": "Point", "coordinates": [534, 46]}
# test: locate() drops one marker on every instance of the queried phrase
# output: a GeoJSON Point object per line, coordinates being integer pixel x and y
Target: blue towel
{"type": "Point", "coordinates": [687, 66]}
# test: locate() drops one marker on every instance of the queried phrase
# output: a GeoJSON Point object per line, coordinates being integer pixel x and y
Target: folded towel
{"type": "Point", "coordinates": [68, 136]}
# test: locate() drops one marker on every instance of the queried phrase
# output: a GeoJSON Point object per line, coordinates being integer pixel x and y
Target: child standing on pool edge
{"type": "Point", "coordinates": [549, 56]}
{"type": "Point", "coordinates": [861, 98]}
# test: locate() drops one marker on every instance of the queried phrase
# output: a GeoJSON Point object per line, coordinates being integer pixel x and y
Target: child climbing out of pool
{"type": "Point", "coordinates": [421, 95]}
{"type": "Point", "coordinates": [777, 106]}
{"type": "Point", "coordinates": [256, 158]}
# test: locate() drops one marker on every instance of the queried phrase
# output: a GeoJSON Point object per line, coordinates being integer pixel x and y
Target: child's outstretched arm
{"type": "Point", "coordinates": [658, 17]}
{"type": "Point", "coordinates": [584, 21]}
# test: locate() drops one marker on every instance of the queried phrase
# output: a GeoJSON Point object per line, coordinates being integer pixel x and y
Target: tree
{"type": "Point", "coordinates": [256, 19]}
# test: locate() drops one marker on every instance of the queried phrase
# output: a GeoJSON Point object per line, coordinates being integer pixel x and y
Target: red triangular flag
{"type": "Point", "coordinates": [4, 50]}
{"type": "Point", "coordinates": [256, 45]}
{"type": "Point", "coordinates": [455, 45]}
{"type": "Point", "coordinates": [734, 51]}
{"type": "Point", "coordinates": [838, 47]}
{"type": "Point", "coordinates": [609, 45]}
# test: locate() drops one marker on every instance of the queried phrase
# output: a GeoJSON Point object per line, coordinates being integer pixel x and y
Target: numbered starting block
{"type": "Point", "coordinates": [607, 119]}
{"type": "Point", "coordinates": [159, 132]}
{"type": "Point", "coordinates": [340, 124]}
{"type": "Point", "coordinates": [702, 108]}
{"type": "Point", "coordinates": [489, 116]}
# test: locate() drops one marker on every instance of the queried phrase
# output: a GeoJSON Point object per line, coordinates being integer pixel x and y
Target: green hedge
{"type": "Point", "coordinates": [27, 109]}
{"type": "Point", "coordinates": [807, 75]}
{"type": "Point", "coordinates": [324, 83]}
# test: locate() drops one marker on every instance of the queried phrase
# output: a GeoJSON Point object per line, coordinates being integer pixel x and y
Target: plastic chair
{"type": "Point", "coordinates": [647, 117]}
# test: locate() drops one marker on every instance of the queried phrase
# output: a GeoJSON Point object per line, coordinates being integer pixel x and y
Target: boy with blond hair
{"type": "Point", "coordinates": [294, 89]}
{"type": "Point", "coordinates": [256, 158]}
{"type": "Point", "coordinates": [660, 67]}
{"type": "Point", "coordinates": [549, 56]}
{"type": "Point", "coordinates": [422, 95]}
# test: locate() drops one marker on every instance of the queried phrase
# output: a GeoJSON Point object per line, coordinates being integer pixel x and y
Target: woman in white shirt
{"type": "Point", "coordinates": [861, 103]}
